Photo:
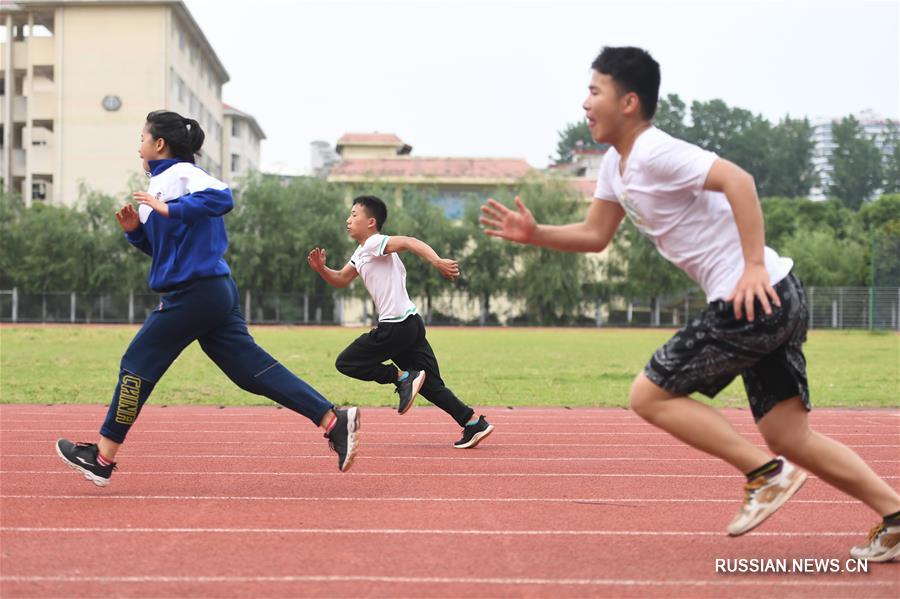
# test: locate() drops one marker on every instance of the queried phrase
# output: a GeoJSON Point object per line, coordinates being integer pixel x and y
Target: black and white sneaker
{"type": "Point", "coordinates": [474, 433]}
{"type": "Point", "coordinates": [82, 457]}
{"type": "Point", "coordinates": [343, 437]}
{"type": "Point", "coordinates": [408, 389]}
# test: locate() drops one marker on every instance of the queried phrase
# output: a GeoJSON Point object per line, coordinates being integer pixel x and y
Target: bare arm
{"type": "Point", "coordinates": [740, 189]}
{"type": "Point", "coordinates": [335, 278]}
{"type": "Point", "coordinates": [592, 235]}
{"type": "Point", "coordinates": [449, 269]}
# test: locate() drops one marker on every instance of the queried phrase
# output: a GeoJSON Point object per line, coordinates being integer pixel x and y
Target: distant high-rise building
{"type": "Point", "coordinates": [322, 158]}
{"type": "Point", "coordinates": [874, 125]}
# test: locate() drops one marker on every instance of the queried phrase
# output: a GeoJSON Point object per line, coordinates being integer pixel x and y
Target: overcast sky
{"type": "Point", "coordinates": [501, 78]}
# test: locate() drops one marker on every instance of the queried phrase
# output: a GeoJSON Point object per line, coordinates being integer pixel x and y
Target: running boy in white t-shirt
{"type": "Point", "coordinates": [703, 215]}
{"type": "Point", "coordinates": [400, 334]}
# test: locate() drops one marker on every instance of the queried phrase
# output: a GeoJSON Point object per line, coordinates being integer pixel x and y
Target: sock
{"type": "Point", "coordinates": [103, 461]}
{"type": "Point", "coordinates": [403, 376]}
{"type": "Point", "coordinates": [330, 425]}
{"type": "Point", "coordinates": [770, 468]}
{"type": "Point", "coordinates": [892, 519]}
{"type": "Point", "coordinates": [474, 421]}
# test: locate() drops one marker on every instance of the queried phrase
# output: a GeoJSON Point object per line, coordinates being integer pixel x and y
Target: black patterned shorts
{"type": "Point", "coordinates": [715, 347]}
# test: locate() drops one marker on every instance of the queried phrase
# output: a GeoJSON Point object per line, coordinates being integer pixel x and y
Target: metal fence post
{"type": "Point", "coordinates": [812, 306]}
{"type": "Point", "coordinates": [247, 305]}
{"type": "Point", "coordinates": [131, 307]}
{"type": "Point", "coordinates": [15, 304]}
{"type": "Point", "coordinates": [305, 308]}
{"type": "Point", "coordinates": [840, 311]}
{"type": "Point", "coordinates": [72, 307]}
{"type": "Point", "coordinates": [630, 311]}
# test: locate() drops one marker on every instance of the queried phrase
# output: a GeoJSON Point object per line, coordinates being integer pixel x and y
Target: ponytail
{"type": "Point", "coordinates": [183, 136]}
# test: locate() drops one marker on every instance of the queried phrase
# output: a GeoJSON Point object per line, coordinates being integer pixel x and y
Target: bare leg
{"type": "Point", "coordinates": [696, 424]}
{"type": "Point", "coordinates": [786, 430]}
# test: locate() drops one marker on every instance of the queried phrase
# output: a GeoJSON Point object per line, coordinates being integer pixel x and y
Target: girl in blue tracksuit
{"type": "Point", "coordinates": [179, 224]}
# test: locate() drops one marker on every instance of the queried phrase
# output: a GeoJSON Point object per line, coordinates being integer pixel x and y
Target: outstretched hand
{"type": "Point", "coordinates": [448, 268]}
{"type": "Point", "coordinates": [128, 218]}
{"type": "Point", "coordinates": [500, 221]}
{"type": "Point", "coordinates": [142, 197]}
{"type": "Point", "coordinates": [753, 284]}
{"type": "Point", "coordinates": [316, 259]}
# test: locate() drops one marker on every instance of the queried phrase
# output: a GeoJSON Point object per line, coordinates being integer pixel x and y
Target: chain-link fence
{"type": "Point", "coordinates": [72, 307]}
{"type": "Point", "coordinates": [874, 308]}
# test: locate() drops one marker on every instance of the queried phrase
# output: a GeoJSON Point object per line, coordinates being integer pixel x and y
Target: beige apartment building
{"type": "Point", "coordinates": [77, 79]}
{"type": "Point", "coordinates": [240, 144]}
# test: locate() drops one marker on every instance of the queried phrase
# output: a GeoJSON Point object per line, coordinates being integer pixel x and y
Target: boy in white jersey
{"type": "Point", "coordinates": [703, 215]}
{"type": "Point", "coordinates": [400, 334]}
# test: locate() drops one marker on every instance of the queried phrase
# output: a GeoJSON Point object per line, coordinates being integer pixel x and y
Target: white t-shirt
{"type": "Point", "coordinates": [385, 278]}
{"type": "Point", "coordinates": [662, 192]}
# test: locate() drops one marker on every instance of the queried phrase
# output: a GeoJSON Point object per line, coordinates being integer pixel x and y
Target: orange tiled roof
{"type": "Point", "coordinates": [369, 138]}
{"type": "Point", "coordinates": [470, 168]}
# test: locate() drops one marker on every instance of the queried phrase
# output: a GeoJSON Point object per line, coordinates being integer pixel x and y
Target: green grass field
{"type": "Point", "coordinates": [505, 367]}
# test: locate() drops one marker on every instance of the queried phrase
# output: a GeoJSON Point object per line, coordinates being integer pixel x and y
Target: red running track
{"type": "Point", "coordinates": [556, 503]}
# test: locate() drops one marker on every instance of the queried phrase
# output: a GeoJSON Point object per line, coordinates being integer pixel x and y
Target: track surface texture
{"type": "Point", "coordinates": [248, 502]}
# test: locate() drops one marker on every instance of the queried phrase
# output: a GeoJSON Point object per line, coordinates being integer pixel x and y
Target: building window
{"type": "Point", "coordinates": [235, 128]}
{"type": "Point", "coordinates": [39, 190]}
{"type": "Point", "coordinates": [453, 203]}
{"type": "Point", "coordinates": [235, 163]}
{"type": "Point", "coordinates": [181, 39]}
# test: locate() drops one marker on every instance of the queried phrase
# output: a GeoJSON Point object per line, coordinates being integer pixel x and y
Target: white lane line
{"type": "Point", "coordinates": [393, 432]}
{"type": "Point", "coordinates": [581, 422]}
{"type": "Point", "coordinates": [421, 531]}
{"type": "Point", "coordinates": [182, 442]}
{"type": "Point", "coordinates": [404, 474]}
{"type": "Point", "coordinates": [626, 582]}
{"type": "Point", "coordinates": [584, 500]}
{"type": "Point", "coordinates": [451, 458]}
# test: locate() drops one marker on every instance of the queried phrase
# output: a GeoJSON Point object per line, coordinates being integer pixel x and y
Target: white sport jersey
{"type": "Point", "coordinates": [662, 192]}
{"type": "Point", "coordinates": [385, 278]}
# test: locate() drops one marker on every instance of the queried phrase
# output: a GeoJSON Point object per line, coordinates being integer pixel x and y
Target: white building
{"type": "Point", "coordinates": [77, 79]}
{"type": "Point", "coordinates": [874, 125]}
{"type": "Point", "coordinates": [240, 144]}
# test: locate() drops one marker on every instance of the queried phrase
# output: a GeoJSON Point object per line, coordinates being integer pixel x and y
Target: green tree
{"type": "Point", "coordinates": [785, 217]}
{"type": "Point", "coordinates": [822, 259]}
{"type": "Point", "coordinates": [856, 170]}
{"type": "Point", "coordinates": [420, 217]}
{"type": "Point", "coordinates": [551, 283]}
{"type": "Point", "coordinates": [790, 171]}
{"type": "Point", "coordinates": [881, 222]}
{"type": "Point", "coordinates": [574, 136]}
{"type": "Point", "coordinates": [638, 269]}
{"type": "Point", "coordinates": [734, 134]}
{"type": "Point", "coordinates": [11, 244]}
{"type": "Point", "coordinates": [274, 226]}
{"type": "Point", "coordinates": [487, 265]}
{"type": "Point", "coordinates": [891, 155]}
{"type": "Point", "coordinates": [670, 117]}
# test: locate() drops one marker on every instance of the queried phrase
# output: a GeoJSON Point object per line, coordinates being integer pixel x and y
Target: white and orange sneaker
{"type": "Point", "coordinates": [883, 545]}
{"type": "Point", "coordinates": [764, 495]}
